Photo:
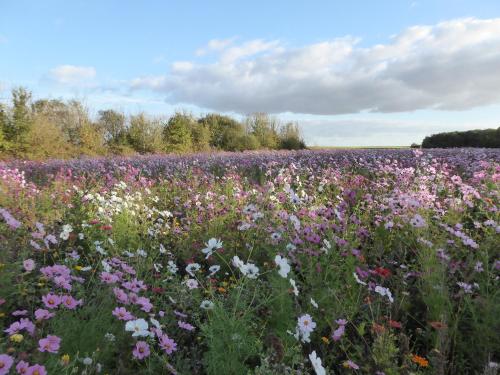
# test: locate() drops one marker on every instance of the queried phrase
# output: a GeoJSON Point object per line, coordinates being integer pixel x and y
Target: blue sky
{"type": "Point", "coordinates": [351, 73]}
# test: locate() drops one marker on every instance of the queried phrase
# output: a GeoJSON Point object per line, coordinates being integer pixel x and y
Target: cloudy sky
{"type": "Point", "coordinates": [357, 73]}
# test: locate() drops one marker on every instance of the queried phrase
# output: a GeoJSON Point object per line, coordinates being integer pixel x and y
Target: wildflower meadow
{"type": "Point", "coordinates": [269, 263]}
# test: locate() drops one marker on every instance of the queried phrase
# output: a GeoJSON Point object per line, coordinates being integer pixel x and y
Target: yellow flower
{"type": "Point", "coordinates": [325, 340]}
{"type": "Point", "coordinates": [16, 337]}
{"type": "Point", "coordinates": [65, 359]}
{"type": "Point", "coordinates": [78, 268]}
{"type": "Point", "coordinates": [2, 314]}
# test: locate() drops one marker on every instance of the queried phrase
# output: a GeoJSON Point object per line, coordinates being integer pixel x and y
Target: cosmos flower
{"type": "Point", "coordinates": [316, 363]}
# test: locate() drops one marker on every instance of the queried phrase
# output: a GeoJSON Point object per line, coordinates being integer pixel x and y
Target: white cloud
{"type": "Point", "coordinates": [215, 45]}
{"type": "Point", "coordinates": [73, 75]}
{"type": "Point", "coordinates": [453, 65]}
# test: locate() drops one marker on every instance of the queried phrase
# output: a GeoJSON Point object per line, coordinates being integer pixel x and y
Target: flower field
{"type": "Point", "coordinates": [309, 262]}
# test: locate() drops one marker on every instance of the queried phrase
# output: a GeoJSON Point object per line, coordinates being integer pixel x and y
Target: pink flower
{"type": "Point", "coordinates": [145, 304]}
{"type": "Point", "coordinates": [37, 370]}
{"type": "Point", "coordinates": [141, 350]}
{"type": "Point", "coordinates": [69, 302]}
{"type": "Point", "coordinates": [20, 312]}
{"type": "Point", "coordinates": [22, 367]}
{"type": "Point", "coordinates": [6, 362]}
{"type": "Point", "coordinates": [167, 344]}
{"type": "Point", "coordinates": [51, 300]}
{"type": "Point", "coordinates": [49, 344]}
{"type": "Point", "coordinates": [29, 265]}
{"type": "Point", "coordinates": [108, 278]}
{"type": "Point", "coordinates": [186, 326]}
{"type": "Point", "coordinates": [351, 364]}
{"type": "Point", "coordinates": [42, 314]}
{"type": "Point", "coordinates": [122, 314]}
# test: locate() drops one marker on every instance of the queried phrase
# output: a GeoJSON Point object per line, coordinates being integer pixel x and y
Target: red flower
{"type": "Point", "coordinates": [106, 227]}
{"type": "Point", "coordinates": [395, 324]}
{"type": "Point", "coordinates": [384, 272]}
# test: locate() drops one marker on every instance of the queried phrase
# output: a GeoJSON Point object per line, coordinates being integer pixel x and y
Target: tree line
{"type": "Point", "coordinates": [489, 138]}
{"type": "Point", "coordinates": [53, 128]}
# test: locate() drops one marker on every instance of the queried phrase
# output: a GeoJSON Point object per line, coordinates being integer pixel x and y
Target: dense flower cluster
{"type": "Point", "coordinates": [370, 262]}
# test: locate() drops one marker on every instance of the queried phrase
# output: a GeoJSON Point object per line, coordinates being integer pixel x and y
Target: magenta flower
{"type": "Point", "coordinates": [22, 367]}
{"type": "Point", "coordinates": [122, 314]}
{"type": "Point", "coordinates": [20, 313]}
{"type": "Point", "coordinates": [6, 362]}
{"type": "Point", "coordinates": [167, 344]}
{"type": "Point", "coordinates": [29, 265]}
{"type": "Point", "coordinates": [42, 314]}
{"type": "Point", "coordinates": [36, 370]}
{"type": "Point", "coordinates": [108, 278]}
{"type": "Point", "coordinates": [141, 350]}
{"type": "Point", "coordinates": [186, 326]}
{"type": "Point", "coordinates": [51, 300]}
{"type": "Point", "coordinates": [69, 302]}
{"type": "Point", "coordinates": [49, 344]}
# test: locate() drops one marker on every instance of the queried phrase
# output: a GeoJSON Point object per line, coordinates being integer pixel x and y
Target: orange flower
{"type": "Point", "coordinates": [421, 361]}
{"type": "Point", "coordinates": [325, 340]}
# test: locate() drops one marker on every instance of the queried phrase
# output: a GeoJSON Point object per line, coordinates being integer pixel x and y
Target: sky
{"type": "Point", "coordinates": [351, 73]}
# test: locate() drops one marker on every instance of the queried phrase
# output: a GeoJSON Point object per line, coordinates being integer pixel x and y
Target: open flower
{"type": "Point", "coordinates": [316, 363]}
{"type": "Point", "coordinates": [212, 245]}
{"type": "Point", "coordinates": [49, 344]}
{"type": "Point", "coordinates": [138, 327]}
{"type": "Point", "coordinates": [284, 267]}
{"type": "Point", "coordinates": [6, 362]}
{"type": "Point", "coordinates": [141, 350]}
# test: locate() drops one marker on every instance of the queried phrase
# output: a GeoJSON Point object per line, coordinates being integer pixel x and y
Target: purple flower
{"type": "Point", "coordinates": [29, 265]}
{"type": "Point", "coordinates": [186, 326]}
{"type": "Point", "coordinates": [141, 350]}
{"type": "Point", "coordinates": [6, 362]}
{"type": "Point", "coordinates": [49, 344]}
{"type": "Point", "coordinates": [167, 344]}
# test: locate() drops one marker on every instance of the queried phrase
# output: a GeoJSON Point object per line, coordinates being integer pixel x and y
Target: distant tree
{"type": "Point", "coordinates": [16, 130]}
{"type": "Point", "coordinates": [200, 136]}
{"type": "Point", "coordinates": [177, 134]}
{"type": "Point", "coordinates": [144, 134]}
{"type": "Point", "coordinates": [4, 123]}
{"type": "Point", "coordinates": [220, 127]}
{"type": "Point", "coordinates": [46, 140]}
{"type": "Point", "coordinates": [414, 145]}
{"type": "Point", "coordinates": [68, 116]}
{"type": "Point", "coordinates": [113, 125]}
{"type": "Point", "coordinates": [473, 138]}
{"type": "Point", "coordinates": [264, 128]}
{"type": "Point", "coordinates": [91, 140]}
{"type": "Point", "coordinates": [290, 137]}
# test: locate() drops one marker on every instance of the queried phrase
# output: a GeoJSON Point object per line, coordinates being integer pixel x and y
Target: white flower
{"type": "Point", "coordinates": [211, 245]}
{"type": "Point", "coordinates": [192, 283]}
{"type": "Point", "coordinates": [106, 266]}
{"type": "Point", "coordinates": [172, 267]}
{"type": "Point", "coordinates": [294, 286]}
{"type": "Point", "coordinates": [316, 363]}
{"type": "Point", "coordinates": [295, 221]}
{"type": "Point", "coordinates": [237, 262]}
{"type": "Point", "coordinates": [314, 303]}
{"type": "Point", "coordinates": [384, 292]}
{"type": "Point", "coordinates": [162, 249]}
{"type": "Point", "coordinates": [141, 253]}
{"type": "Point", "coordinates": [87, 361]}
{"type": "Point", "coordinates": [66, 230]}
{"type": "Point", "coordinates": [326, 246]}
{"type": "Point", "coordinates": [250, 270]}
{"type": "Point", "coordinates": [157, 267]}
{"type": "Point", "coordinates": [139, 327]}
{"type": "Point", "coordinates": [358, 280]}
{"type": "Point", "coordinates": [214, 269]}
{"type": "Point", "coordinates": [207, 305]}
{"type": "Point", "coordinates": [306, 324]}
{"type": "Point", "coordinates": [192, 268]}
{"type": "Point", "coordinates": [282, 263]}
{"type": "Point", "coordinates": [155, 322]}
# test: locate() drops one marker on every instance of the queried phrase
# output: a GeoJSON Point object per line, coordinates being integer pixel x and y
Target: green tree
{"type": "Point", "coordinates": [144, 134]}
{"type": "Point", "coordinates": [290, 137]}
{"type": "Point", "coordinates": [264, 128]}
{"type": "Point", "coordinates": [222, 130]}
{"type": "Point", "coordinates": [113, 125]}
{"type": "Point", "coordinates": [17, 128]}
{"type": "Point", "coordinates": [177, 134]}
